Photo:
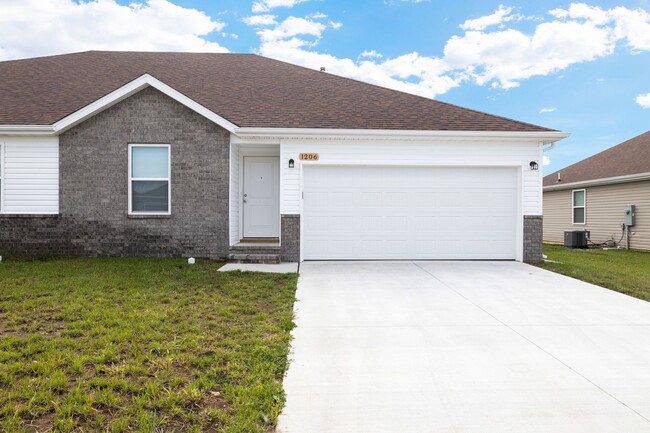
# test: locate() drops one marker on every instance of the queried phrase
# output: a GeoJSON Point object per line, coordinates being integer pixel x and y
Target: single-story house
{"type": "Point", "coordinates": [217, 155]}
{"type": "Point", "coordinates": [593, 195]}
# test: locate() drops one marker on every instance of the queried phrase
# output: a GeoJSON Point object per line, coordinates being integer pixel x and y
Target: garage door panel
{"type": "Point", "coordinates": [409, 213]}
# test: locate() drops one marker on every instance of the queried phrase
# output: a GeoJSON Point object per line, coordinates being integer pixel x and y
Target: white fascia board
{"type": "Point", "coordinates": [544, 137]}
{"type": "Point", "coordinates": [598, 182]}
{"type": "Point", "coordinates": [235, 139]}
{"type": "Point", "coordinates": [131, 88]}
{"type": "Point", "coordinates": [26, 130]}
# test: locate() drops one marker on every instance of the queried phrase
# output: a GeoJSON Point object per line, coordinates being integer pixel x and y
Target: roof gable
{"type": "Point", "coordinates": [129, 89]}
{"type": "Point", "coordinates": [244, 89]}
{"type": "Point", "coordinates": [628, 158]}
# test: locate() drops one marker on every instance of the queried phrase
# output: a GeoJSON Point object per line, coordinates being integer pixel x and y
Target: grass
{"type": "Point", "coordinates": [621, 270]}
{"type": "Point", "coordinates": [149, 345]}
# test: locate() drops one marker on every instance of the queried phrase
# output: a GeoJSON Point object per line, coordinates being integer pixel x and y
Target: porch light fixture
{"type": "Point", "coordinates": [291, 163]}
{"type": "Point", "coordinates": [534, 165]}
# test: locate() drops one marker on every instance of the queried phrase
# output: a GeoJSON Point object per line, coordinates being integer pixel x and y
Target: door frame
{"type": "Point", "coordinates": [519, 168]}
{"type": "Point", "coordinates": [252, 152]}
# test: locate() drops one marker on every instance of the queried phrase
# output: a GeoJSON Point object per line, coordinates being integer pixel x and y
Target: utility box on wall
{"type": "Point", "coordinates": [629, 215]}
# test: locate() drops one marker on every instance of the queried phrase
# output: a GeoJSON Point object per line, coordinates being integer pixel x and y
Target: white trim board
{"type": "Point", "coordinates": [380, 134]}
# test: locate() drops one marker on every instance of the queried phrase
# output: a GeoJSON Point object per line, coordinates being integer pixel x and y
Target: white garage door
{"type": "Point", "coordinates": [365, 212]}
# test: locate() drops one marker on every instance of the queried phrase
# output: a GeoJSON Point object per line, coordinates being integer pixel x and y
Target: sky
{"type": "Point", "coordinates": [582, 68]}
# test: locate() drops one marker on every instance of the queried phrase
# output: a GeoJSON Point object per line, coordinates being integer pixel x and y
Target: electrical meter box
{"type": "Point", "coordinates": [629, 214]}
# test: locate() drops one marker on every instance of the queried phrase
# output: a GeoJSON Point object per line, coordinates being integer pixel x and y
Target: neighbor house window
{"type": "Point", "coordinates": [579, 206]}
{"type": "Point", "coordinates": [149, 179]}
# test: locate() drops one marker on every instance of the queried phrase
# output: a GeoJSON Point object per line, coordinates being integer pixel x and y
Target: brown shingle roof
{"type": "Point", "coordinates": [246, 89]}
{"type": "Point", "coordinates": [629, 157]}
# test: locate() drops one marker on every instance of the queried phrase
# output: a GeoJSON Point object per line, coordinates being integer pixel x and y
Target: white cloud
{"type": "Point", "coordinates": [40, 27]}
{"type": "Point", "coordinates": [293, 41]}
{"type": "Point", "coordinates": [490, 50]}
{"type": "Point", "coordinates": [290, 27]}
{"type": "Point", "coordinates": [260, 20]}
{"type": "Point", "coordinates": [643, 100]}
{"type": "Point", "coordinates": [317, 15]}
{"type": "Point", "coordinates": [501, 15]}
{"type": "Point", "coordinates": [633, 25]}
{"type": "Point", "coordinates": [335, 25]}
{"type": "Point", "coordinates": [267, 5]}
{"type": "Point", "coordinates": [547, 110]}
{"type": "Point", "coordinates": [371, 54]}
{"type": "Point", "coordinates": [501, 57]}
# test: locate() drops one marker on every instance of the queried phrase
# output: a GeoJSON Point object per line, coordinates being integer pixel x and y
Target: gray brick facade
{"type": "Point", "coordinates": [94, 219]}
{"type": "Point", "coordinates": [290, 226]}
{"type": "Point", "coordinates": [533, 236]}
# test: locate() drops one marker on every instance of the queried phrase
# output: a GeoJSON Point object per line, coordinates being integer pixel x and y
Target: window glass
{"type": "Point", "coordinates": [150, 196]}
{"type": "Point", "coordinates": [579, 207]}
{"type": "Point", "coordinates": [578, 198]}
{"type": "Point", "coordinates": [579, 215]}
{"type": "Point", "coordinates": [149, 162]}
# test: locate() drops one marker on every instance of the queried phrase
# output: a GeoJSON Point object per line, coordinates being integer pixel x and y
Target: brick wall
{"type": "Point", "coordinates": [533, 235]}
{"type": "Point", "coordinates": [290, 226]}
{"type": "Point", "coordinates": [94, 187]}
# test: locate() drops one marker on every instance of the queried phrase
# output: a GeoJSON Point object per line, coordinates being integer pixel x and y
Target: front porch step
{"type": "Point", "coordinates": [254, 249]}
{"type": "Point", "coordinates": [269, 259]}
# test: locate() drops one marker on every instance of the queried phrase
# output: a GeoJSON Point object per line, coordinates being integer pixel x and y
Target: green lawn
{"type": "Point", "coordinates": [621, 270]}
{"type": "Point", "coordinates": [150, 345]}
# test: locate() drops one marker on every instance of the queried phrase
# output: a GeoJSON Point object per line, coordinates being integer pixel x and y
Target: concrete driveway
{"type": "Point", "coordinates": [484, 347]}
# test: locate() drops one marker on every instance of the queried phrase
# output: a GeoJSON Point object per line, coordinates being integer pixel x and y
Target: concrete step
{"type": "Point", "coordinates": [253, 249]}
{"type": "Point", "coordinates": [254, 258]}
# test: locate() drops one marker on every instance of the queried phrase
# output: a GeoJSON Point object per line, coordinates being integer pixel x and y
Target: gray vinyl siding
{"type": "Point", "coordinates": [604, 213]}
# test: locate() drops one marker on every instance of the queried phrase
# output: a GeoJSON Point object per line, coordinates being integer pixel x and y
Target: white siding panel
{"type": "Point", "coordinates": [234, 193]}
{"type": "Point", "coordinates": [408, 153]}
{"type": "Point", "coordinates": [31, 175]}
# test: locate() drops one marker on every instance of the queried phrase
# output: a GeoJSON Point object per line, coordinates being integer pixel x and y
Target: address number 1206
{"type": "Point", "coordinates": [309, 157]}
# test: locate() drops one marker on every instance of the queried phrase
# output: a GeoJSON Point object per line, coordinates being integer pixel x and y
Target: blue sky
{"type": "Point", "coordinates": [583, 68]}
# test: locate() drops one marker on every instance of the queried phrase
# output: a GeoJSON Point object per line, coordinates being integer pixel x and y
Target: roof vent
{"type": "Point", "coordinates": [559, 177]}
{"type": "Point", "coordinates": [322, 68]}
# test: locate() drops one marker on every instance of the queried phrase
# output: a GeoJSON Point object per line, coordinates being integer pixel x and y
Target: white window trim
{"type": "Point", "coordinates": [574, 207]}
{"type": "Point", "coordinates": [168, 179]}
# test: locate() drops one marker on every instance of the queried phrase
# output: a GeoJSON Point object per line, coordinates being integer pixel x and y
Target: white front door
{"type": "Point", "coordinates": [261, 197]}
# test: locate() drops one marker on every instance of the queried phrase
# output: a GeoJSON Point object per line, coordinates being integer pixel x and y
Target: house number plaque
{"type": "Point", "coordinates": [309, 157]}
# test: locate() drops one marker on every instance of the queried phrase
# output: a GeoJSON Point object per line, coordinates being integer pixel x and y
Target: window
{"type": "Point", "coordinates": [579, 206]}
{"type": "Point", "coordinates": [149, 179]}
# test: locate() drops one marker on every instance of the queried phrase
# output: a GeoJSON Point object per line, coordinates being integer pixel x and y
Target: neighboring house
{"type": "Point", "coordinates": [592, 194]}
{"type": "Point", "coordinates": [178, 154]}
